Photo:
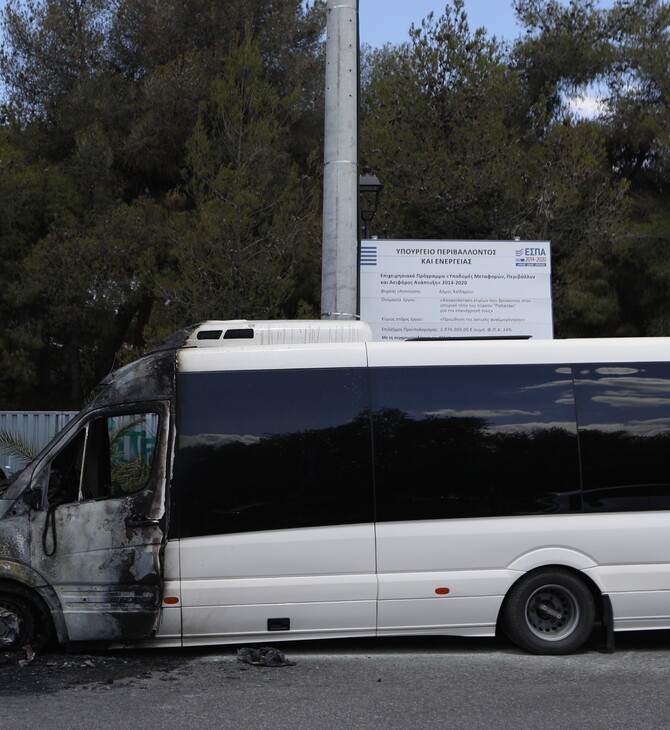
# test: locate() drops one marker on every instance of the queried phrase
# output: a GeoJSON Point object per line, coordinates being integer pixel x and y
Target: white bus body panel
{"type": "Point", "coordinates": [278, 332]}
{"type": "Point", "coordinates": [626, 555]}
{"type": "Point", "coordinates": [322, 578]}
{"type": "Point", "coordinates": [517, 352]}
{"type": "Point", "coordinates": [169, 626]}
{"type": "Point", "coordinates": [273, 357]}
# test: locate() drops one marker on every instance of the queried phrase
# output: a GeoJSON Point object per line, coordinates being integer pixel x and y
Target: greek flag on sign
{"type": "Point", "coordinates": [368, 255]}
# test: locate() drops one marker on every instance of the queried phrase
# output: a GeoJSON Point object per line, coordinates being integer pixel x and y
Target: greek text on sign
{"type": "Point", "coordinates": [456, 288]}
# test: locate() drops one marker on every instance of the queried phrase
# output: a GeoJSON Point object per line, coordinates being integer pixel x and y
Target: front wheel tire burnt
{"type": "Point", "coordinates": [23, 622]}
{"type": "Point", "coordinates": [549, 612]}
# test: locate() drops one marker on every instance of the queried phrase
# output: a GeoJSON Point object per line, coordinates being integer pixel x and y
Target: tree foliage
{"type": "Point", "coordinates": [156, 170]}
{"type": "Point", "coordinates": [160, 164]}
{"type": "Point", "coordinates": [252, 209]}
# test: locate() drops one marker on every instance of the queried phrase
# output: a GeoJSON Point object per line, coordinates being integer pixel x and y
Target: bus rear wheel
{"type": "Point", "coordinates": [549, 612]}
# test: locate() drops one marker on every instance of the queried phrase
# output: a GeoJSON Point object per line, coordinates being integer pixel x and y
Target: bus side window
{"type": "Point", "coordinates": [474, 441]}
{"type": "Point", "coordinates": [624, 435]}
{"type": "Point", "coordinates": [271, 450]}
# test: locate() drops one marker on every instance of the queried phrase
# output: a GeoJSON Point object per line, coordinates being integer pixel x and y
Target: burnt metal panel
{"type": "Point", "coordinates": [102, 578]}
{"type": "Point", "coordinates": [104, 557]}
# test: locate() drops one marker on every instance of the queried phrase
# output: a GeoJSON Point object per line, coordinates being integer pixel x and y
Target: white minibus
{"type": "Point", "coordinates": [263, 481]}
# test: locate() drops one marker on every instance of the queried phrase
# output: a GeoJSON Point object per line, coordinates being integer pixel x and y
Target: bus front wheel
{"type": "Point", "coordinates": [23, 620]}
{"type": "Point", "coordinates": [549, 612]}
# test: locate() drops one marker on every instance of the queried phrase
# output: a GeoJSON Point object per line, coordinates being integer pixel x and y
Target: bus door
{"type": "Point", "coordinates": [99, 538]}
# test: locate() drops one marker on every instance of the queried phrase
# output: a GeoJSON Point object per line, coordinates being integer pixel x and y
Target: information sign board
{"type": "Point", "coordinates": [412, 289]}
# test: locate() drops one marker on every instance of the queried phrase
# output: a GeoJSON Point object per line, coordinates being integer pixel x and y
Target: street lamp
{"type": "Point", "coordinates": [369, 192]}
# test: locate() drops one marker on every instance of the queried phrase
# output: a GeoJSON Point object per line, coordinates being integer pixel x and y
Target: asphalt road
{"type": "Point", "coordinates": [389, 683]}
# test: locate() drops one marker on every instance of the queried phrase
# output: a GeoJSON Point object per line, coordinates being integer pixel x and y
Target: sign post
{"type": "Point", "coordinates": [456, 289]}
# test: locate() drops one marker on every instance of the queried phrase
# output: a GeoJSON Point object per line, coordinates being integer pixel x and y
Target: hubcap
{"type": "Point", "coordinates": [552, 612]}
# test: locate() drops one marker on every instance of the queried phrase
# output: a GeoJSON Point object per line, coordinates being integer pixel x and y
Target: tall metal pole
{"type": "Point", "coordinates": [340, 176]}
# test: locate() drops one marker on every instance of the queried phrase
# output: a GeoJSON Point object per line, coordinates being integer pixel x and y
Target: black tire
{"type": "Point", "coordinates": [549, 612]}
{"type": "Point", "coordinates": [24, 620]}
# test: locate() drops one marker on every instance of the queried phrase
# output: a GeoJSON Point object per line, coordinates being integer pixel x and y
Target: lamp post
{"type": "Point", "coordinates": [340, 157]}
{"type": "Point", "coordinates": [369, 192]}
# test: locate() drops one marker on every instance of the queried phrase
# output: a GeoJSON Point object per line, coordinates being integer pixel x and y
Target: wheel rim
{"type": "Point", "coordinates": [552, 612]}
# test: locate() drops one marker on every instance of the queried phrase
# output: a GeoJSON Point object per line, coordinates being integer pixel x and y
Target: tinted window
{"type": "Point", "coordinates": [624, 430]}
{"type": "Point", "coordinates": [474, 441]}
{"type": "Point", "coordinates": [272, 450]}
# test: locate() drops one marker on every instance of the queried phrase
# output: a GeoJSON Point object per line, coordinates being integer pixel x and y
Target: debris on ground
{"type": "Point", "coordinates": [52, 670]}
{"type": "Point", "coordinates": [22, 656]}
{"type": "Point", "coordinates": [266, 656]}
{"type": "Point", "coordinates": [30, 655]}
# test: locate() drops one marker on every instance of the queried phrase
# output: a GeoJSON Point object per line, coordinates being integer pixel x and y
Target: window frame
{"type": "Point", "coordinates": [82, 426]}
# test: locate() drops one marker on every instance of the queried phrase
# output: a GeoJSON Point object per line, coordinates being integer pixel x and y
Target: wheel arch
{"type": "Point", "coordinates": [42, 596]}
{"type": "Point", "coordinates": [552, 556]}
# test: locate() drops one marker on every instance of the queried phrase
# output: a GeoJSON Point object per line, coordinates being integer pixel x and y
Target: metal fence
{"type": "Point", "coordinates": [34, 427]}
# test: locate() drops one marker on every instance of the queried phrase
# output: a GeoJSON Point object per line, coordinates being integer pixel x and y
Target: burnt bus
{"type": "Point", "coordinates": [254, 481]}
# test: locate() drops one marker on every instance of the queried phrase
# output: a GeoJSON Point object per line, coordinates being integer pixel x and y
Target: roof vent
{"type": "Point", "coordinates": [246, 334]}
{"type": "Point", "coordinates": [210, 334]}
